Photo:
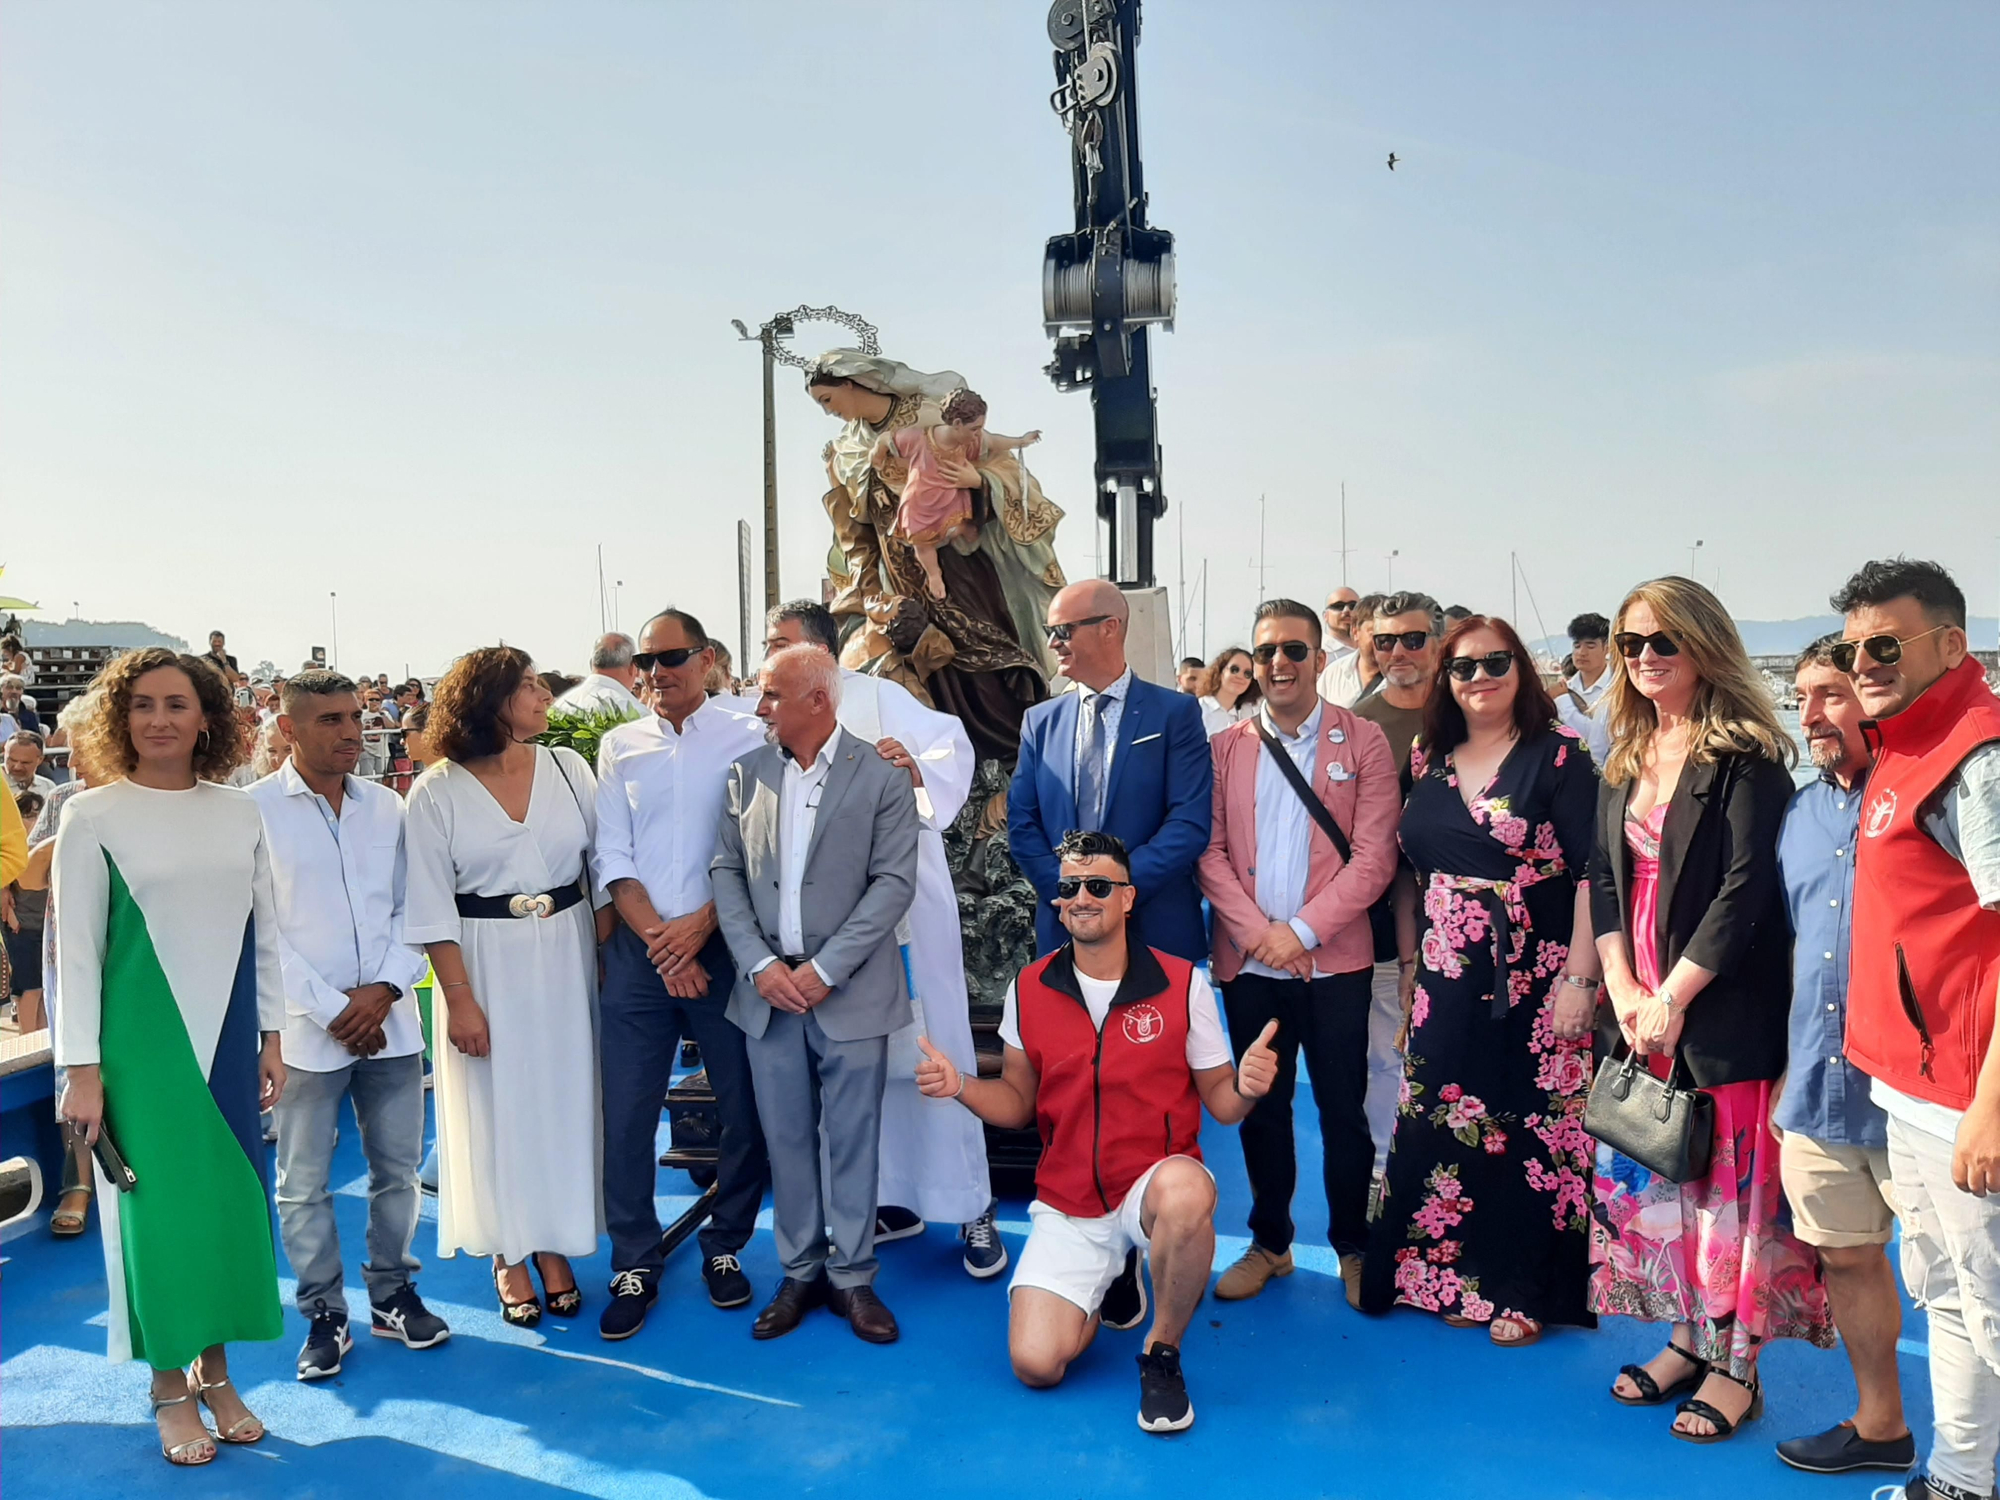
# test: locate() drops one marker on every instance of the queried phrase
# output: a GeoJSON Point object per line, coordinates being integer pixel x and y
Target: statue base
{"type": "Point", "coordinates": [1149, 635]}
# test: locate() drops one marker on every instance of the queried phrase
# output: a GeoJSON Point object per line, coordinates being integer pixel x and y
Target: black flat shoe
{"type": "Point", "coordinates": [1725, 1429]}
{"type": "Point", "coordinates": [519, 1314]}
{"type": "Point", "coordinates": [1842, 1450]}
{"type": "Point", "coordinates": [564, 1304]}
{"type": "Point", "coordinates": [1650, 1393]}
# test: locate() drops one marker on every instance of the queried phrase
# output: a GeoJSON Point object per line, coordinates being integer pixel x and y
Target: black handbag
{"type": "Point", "coordinates": [1670, 1131]}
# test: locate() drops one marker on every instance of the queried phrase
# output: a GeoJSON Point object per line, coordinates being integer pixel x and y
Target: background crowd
{"type": "Point", "coordinates": [1485, 910]}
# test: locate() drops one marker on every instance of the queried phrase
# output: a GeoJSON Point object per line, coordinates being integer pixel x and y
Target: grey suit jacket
{"type": "Point", "coordinates": [860, 876]}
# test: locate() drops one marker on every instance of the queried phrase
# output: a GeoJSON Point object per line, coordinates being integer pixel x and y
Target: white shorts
{"type": "Point", "coordinates": [1077, 1258]}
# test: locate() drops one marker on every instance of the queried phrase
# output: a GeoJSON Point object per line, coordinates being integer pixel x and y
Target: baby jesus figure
{"type": "Point", "coordinates": [933, 508]}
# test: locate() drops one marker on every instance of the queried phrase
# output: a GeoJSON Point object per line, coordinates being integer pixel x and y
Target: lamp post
{"type": "Point", "coordinates": [333, 609]}
{"type": "Point", "coordinates": [617, 585]}
{"type": "Point", "coordinates": [1692, 551]}
{"type": "Point", "coordinates": [1394, 553]}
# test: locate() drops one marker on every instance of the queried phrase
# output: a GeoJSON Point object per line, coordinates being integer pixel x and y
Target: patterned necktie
{"type": "Point", "coordinates": [1090, 765]}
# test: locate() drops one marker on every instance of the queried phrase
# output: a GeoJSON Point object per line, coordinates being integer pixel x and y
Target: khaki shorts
{"type": "Point", "coordinates": [1840, 1195]}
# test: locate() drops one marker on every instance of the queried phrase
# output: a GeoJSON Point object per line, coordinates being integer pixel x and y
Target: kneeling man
{"type": "Point", "coordinates": [1112, 1049]}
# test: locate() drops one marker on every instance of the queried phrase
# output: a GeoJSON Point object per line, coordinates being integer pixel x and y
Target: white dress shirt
{"type": "Point", "coordinates": [1589, 722]}
{"type": "Point", "coordinates": [597, 692]}
{"type": "Point", "coordinates": [1284, 834]}
{"type": "Point", "coordinates": [1110, 708]}
{"type": "Point", "coordinates": [798, 812]}
{"type": "Point", "coordinates": [338, 883]}
{"type": "Point", "coordinates": [659, 799]}
{"type": "Point", "coordinates": [1340, 680]}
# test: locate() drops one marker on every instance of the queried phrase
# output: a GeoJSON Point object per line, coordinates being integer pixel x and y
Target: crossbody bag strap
{"type": "Point", "coordinates": [1315, 808]}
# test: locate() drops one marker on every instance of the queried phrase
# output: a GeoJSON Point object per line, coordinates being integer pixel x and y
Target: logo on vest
{"type": "Point", "coordinates": [1881, 812]}
{"type": "Point", "coordinates": [1144, 1024]}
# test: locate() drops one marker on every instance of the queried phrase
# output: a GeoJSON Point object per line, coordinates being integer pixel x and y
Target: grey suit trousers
{"type": "Point", "coordinates": [806, 1080]}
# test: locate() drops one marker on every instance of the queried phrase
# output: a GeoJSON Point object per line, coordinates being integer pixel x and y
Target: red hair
{"type": "Point", "coordinates": [1444, 720]}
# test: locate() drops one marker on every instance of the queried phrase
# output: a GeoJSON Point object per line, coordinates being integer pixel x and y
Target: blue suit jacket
{"type": "Point", "coordinates": [1160, 802]}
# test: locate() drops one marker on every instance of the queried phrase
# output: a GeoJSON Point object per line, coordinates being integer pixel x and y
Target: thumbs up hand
{"type": "Point", "coordinates": [937, 1078]}
{"type": "Point", "coordinates": [1259, 1068]}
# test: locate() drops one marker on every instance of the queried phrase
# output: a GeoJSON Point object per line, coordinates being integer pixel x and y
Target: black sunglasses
{"type": "Point", "coordinates": [1886, 649]}
{"type": "Point", "coordinates": [1100, 886]}
{"type": "Point", "coordinates": [1341, 606]}
{"type": "Point", "coordinates": [1267, 653]}
{"type": "Point", "coordinates": [678, 657]}
{"type": "Point", "coordinates": [1496, 663]}
{"type": "Point", "coordinates": [1068, 628]}
{"type": "Point", "coordinates": [1411, 640]}
{"type": "Point", "coordinates": [1631, 643]}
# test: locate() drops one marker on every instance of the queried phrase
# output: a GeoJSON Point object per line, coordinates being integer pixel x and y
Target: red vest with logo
{"type": "Point", "coordinates": [1111, 1102]}
{"type": "Point", "coordinates": [1926, 956]}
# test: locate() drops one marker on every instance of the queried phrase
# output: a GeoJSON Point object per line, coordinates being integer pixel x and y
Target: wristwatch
{"type": "Point", "coordinates": [1582, 982]}
{"type": "Point", "coordinates": [395, 990]}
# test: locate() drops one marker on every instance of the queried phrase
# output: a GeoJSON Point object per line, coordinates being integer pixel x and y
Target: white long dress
{"type": "Point", "coordinates": [519, 1133]}
{"type": "Point", "coordinates": [933, 1158]}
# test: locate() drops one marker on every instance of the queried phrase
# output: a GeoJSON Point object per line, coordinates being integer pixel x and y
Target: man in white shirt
{"type": "Point", "coordinates": [351, 1024]}
{"type": "Point", "coordinates": [933, 1160]}
{"type": "Point", "coordinates": [24, 763]}
{"type": "Point", "coordinates": [667, 970]}
{"type": "Point", "coordinates": [1340, 680]}
{"type": "Point", "coordinates": [609, 687]}
{"type": "Point", "coordinates": [1580, 704]}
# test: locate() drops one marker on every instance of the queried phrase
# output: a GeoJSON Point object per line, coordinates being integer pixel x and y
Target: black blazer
{"type": "Point", "coordinates": [1721, 905]}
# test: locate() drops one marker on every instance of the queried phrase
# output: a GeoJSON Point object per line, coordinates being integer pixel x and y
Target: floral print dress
{"type": "Point", "coordinates": [1715, 1253]}
{"type": "Point", "coordinates": [1485, 1207]}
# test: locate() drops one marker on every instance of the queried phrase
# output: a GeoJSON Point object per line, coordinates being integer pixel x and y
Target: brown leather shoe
{"type": "Point", "coordinates": [1350, 1272]}
{"type": "Point", "coordinates": [865, 1313]}
{"type": "Point", "coordinates": [788, 1309]}
{"type": "Point", "coordinates": [1247, 1277]}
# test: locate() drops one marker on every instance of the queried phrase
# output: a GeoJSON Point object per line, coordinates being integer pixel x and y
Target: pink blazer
{"type": "Point", "coordinates": [1366, 805]}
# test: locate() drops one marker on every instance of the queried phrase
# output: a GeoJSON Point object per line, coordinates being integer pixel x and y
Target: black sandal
{"type": "Point", "coordinates": [516, 1314]}
{"type": "Point", "coordinates": [1650, 1393]}
{"type": "Point", "coordinates": [564, 1304]}
{"type": "Point", "coordinates": [1724, 1428]}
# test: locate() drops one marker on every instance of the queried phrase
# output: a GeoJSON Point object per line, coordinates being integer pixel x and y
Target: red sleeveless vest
{"type": "Point", "coordinates": [1110, 1103]}
{"type": "Point", "coordinates": [1926, 956]}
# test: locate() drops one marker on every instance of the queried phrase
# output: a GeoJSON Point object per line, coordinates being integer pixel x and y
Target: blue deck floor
{"type": "Point", "coordinates": [1294, 1393]}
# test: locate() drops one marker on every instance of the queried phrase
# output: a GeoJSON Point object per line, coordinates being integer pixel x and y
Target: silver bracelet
{"type": "Point", "coordinates": [959, 1092]}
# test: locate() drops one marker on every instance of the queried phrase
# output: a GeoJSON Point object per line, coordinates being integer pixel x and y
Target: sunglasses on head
{"type": "Point", "coordinates": [1409, 640]}
{"type": "Point", "coordinates": [1496, 663]}
{"type": "Point", "coordinates": [678, 657]}
{"type": "Point", "coordinates": [1631, 643]}
{"type": "Point", "coordinates": [1886, 649]}
{"type": "Point", "coordinates": [1069, 628]}
{"type": "Point", "coordinates": [1100, 886]}
{"type": "Point", "coordinates": [1267, 653]}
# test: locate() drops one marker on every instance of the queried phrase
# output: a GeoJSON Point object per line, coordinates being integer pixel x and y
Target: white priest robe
{"type": "Point", "coordinates": [933, 1159]}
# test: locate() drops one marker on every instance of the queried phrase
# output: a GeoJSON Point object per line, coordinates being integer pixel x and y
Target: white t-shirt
{"type": "Point", "coordinates": [1207, 1043]}
{"type": "Point", "coordinates": [1965, 821]}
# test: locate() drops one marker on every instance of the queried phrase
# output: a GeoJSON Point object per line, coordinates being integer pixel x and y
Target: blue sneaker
{"type": "Point", "coordinates": [985, 1255]}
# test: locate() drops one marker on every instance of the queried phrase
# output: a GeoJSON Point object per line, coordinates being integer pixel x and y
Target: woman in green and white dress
{"type": "Point", "coordinates": [172, 1001]}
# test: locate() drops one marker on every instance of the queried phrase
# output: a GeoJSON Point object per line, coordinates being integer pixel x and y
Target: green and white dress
{"type": "Point", "coordinates": [167, 948]}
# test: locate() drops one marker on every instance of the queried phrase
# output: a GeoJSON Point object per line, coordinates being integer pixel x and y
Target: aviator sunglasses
{"type": "Point", "coordinates": [1068, 628]}
{"type": "Point", "coordinates": [1630, 643]}
{"type": "Point", "coordinates": [1886, 649]}
{"type": "Point", "coordinates": [1267, 653]}
{"type": "Point", "coordinates": [1496, 663]}
{"type": "Point", "coordinates": [678, 657]}
{"type": "Point", "coordinates": [1409, 640]}
{"type": "Point", "coordinates": [1100, 886]}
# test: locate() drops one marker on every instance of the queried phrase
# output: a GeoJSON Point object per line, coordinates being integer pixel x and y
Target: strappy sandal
{"type": "Point", "coordinates": [517, 1314]}
{"type": "Point", "coordinates": [177, 1454]}
{"type": "Point", "coordinates": [68, 1223]}
{"type": "Point", "coordinates": [1725, 1429]}
{"type": "Point", "coordinates": [1650, 1393]}
{"type": "Point", "coordinates": [201, 1389]}
{"type": "Point", "coordinates": [1531, 1330]}
{"type": "Point", "coordinates": [565, 1304]}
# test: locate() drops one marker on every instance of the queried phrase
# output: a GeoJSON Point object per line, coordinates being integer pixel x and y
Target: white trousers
{"type": "Point", "coordinates": [1951, 1266]}
{"type": "Point", "coordinates": [1385, 1063]}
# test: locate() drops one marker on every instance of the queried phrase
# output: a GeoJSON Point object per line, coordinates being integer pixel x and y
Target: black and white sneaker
{"type": "Point", "coordinates": [633, 1294]}
{"type": "Point", "coordinates": [985, 1255]}
{"type": "Point", "coordinates": [405, 1317]}
{"type": "Point", "coordinates": [327, 1341]}
{"type": "Point", "coordinates": [1163, 1397]}
{"type": "Point", "coordinates": [727, 1285]}
{"type": "Point", "coordinates": [1124, 1304]}
{"type": "Point", "coordinates": [892, 1223]}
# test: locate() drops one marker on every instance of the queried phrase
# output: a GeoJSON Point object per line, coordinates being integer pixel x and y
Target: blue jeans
{"type": "Point", "coordinates": [388, 1094]}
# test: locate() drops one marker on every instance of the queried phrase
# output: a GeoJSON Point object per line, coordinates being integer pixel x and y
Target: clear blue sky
{"type": "Point", "coordinates": [421, 301]}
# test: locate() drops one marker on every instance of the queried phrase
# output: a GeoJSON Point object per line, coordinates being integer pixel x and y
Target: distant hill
{"type": "Point", "coordinates": [121, 633]}
{"type": "Point", "coordinates": [1776, 637]}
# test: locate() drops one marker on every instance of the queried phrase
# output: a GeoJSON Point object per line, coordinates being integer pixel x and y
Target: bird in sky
{"type": "Point", "coordinates": [1393, 159]}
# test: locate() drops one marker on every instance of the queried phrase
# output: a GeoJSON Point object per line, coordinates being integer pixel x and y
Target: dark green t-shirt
{"type": "Point", "coordinates": [1401, 725]}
